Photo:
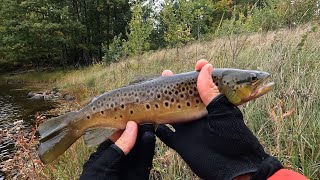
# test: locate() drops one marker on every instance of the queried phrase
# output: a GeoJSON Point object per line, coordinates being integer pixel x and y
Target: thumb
{"type": "Point", "coordinates": [128, 137]}
{"type": "Point", "coordinates": [166, 135]}
{"type": "Point", "coordinates": [207, 89]}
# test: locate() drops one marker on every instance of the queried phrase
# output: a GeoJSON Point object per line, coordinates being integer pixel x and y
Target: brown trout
{"type": "Point", "coordinates": [161, 100]}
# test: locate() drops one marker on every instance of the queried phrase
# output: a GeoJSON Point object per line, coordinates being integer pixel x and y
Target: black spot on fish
{"type": "Point", "coordinates": [197, 101]}
{"type": "Point", "coordinates": [190, 92]}
{"type": "Point", "coordinates": [181, 95]}
{"type": "Point", "coordinates": [158, 96]}
{"type": "Point", "coordinates": [137, 100]}
{"type": "Point", "coordinates": [98, 102]}
{"type": "Point", "coordinates": [165, 92]}
{"type": "Point", "coordinates": [183, 88]}
{"type": "Point", "coordinates": [166, 104]}
{"type": "Point", "coordinates": [156, 105]}
{"type": "Point", "coordinates": [147, 106]}
{"type": "Point", "coordinates": [120, 116]}
{"type": "Point", "coordinates": [148, 91]}
{"type": "Point", "coordinates": [104, 99]}
{"type": "Point", "coordinates": [170, 93]}
{"type": "Point", "coordinates": [125, 94]}
{"type": "Point", "coordinates": [217, 84]}
{"type": "Point", "coordinates": [188, 104]}
{"type": "Point", "coordinates": [179, 106]}
{"type": "Point", "coordinates": [102, 104]}
{"type": "Point", "coordinates": [176, 92]}
{"type": "Point", "coordinates": [151, 94]}
{"type": "Point", "coordinates": [172, 100]}
{"type": "Point", "coordinates": [94, 108]}
{"type": "Point", "coordinates": [102, 112]}
{"type": "Point", "coordinates": [111, 105]}
{"type": "Point", "coordinates": [131, 112]}
{"type": "Point", "coordinates": [122, 106]}
{"type": "Point", "coordinates": [88, 117]}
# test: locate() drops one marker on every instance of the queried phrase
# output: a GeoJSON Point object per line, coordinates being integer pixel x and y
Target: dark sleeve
{"type": "Point", "coordinates": [287, 174]}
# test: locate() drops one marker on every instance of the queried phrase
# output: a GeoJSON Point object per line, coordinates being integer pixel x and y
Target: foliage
{"type": "Point", "coordinates": [139, 31]}
{"type": "Point", "coordinates": [50, 32]}
{"type": "Point", "coordinates": [114, 51]}
{"type": "Point", "coordinates": [176, 19]}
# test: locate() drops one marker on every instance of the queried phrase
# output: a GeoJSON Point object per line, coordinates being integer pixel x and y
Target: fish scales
{"type": "Point", "coordinates": [162, 100]}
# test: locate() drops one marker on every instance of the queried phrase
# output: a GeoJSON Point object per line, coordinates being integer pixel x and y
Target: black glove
{"type": "Point", "coordinates": [218, 146]}
{"type": "Point", "coordinates": [109, 161]}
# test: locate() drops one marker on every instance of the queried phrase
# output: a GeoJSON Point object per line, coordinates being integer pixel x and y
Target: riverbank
{"type": "Point", "coordinates": [286, 120]}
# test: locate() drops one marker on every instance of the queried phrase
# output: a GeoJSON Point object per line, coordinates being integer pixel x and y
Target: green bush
{"type": "Point", "coordinates": [114, 51]}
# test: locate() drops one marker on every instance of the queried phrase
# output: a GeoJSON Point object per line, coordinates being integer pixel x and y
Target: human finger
{"type": "Point", "coordinates": [206, 88]}
{"type": "Point", "coordinates": [200, 64]}
{"type": "Point", "coordinates": [116, 135]}
{"type": "Point", "coordinates": [128, 137]}
{"type": "Point", "coordinates": [167, 73]}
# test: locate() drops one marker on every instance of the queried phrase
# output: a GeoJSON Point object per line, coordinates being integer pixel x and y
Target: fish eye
{"type": "Point", "coordinates": [254, 77]}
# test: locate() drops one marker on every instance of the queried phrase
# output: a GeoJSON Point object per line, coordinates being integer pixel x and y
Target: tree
{"type": "Point", "coordinates": [139, 31]}
{"type": "Point", "coordinates": [176, 17]}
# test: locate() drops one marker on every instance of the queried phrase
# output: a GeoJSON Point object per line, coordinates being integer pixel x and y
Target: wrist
{"type": "Point", "coordinates": [268, 167]}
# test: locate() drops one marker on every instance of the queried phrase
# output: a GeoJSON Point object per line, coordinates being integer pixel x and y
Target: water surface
{"type": "Point", "coordinates": [16, 106]}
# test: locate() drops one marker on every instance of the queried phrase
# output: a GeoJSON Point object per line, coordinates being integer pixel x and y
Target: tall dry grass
{"type": "Point", "coordinates": [286, 120]}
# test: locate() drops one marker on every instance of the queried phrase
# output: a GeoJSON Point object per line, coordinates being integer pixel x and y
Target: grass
{"type": "Point", "coordinates": [286, 120]}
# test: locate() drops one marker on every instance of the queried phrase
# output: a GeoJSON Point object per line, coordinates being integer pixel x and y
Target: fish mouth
{"type": "Point", "coordinates": [261, 87]}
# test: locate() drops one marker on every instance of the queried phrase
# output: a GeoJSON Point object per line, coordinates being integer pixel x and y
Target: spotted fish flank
{"type": "Point", "coordinates": [161, 100]}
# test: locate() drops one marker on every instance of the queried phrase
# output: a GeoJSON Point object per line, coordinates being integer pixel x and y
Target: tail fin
{"type": "Point", "coordinates": [56, 136]}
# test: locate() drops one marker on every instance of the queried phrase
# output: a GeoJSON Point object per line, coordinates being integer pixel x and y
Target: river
{"type": "Point", "coordinates": [15, 106]}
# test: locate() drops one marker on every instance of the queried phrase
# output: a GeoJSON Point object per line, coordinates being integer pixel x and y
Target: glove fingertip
{"type": "Point", "coordinates": [165, 134]}
{"type": "Point", "coordinates": [111, 157]}
{"type": "Point", "coordinates": [149, 137]}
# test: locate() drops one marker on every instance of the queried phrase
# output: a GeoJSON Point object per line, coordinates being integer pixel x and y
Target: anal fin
{"type": "Point", "coordinates": [96, 136]}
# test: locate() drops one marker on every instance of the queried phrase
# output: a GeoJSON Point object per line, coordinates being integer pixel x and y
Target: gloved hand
{"type": "Point", "coordinates": [110, 162]}
{"type": "Point", "coordinates": [218, 146]}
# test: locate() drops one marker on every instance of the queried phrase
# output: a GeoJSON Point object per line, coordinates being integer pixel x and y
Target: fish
{"type": "Point", "coordinates": [158, 100]}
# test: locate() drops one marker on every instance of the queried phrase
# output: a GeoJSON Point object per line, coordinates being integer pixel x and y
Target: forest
{"type": "Point", "coordinates": [75, 33]}
{"type": "Point", "coordinates": [83, 48]}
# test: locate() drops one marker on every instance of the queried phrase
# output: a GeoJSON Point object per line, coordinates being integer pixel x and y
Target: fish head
{"type": "Point", "coordinates": [241, 86]}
